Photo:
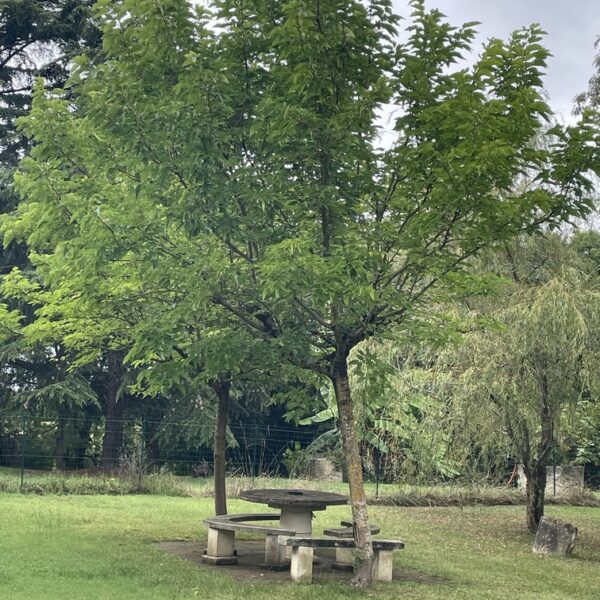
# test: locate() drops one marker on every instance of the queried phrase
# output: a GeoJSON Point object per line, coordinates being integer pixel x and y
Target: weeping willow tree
{"type": "Point", "coordinates": [527, 373]}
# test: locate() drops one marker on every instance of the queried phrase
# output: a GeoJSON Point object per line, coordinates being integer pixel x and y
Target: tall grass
{"type": "Point", "coordinates": [133, 481]}
{"type": "Point", "coordinates": [163, 484]}
{"type": "Point", "coordinates": [454, 495]}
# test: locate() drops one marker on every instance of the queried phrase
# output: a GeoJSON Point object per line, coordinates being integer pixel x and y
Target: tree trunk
{"type": "Point", "coordinates": [363, 568]}
{"type": "Point", "coordinates": [536, 490]}
{"type": "Point", "coordinates": [536, 472]}
{"type": "Point", "coordinates": [151, 444]}
{"type": "Point", "coordinates": [112, 442]}
{"type": "Point", "coordinates": [222, 390]}
{"type": "Point", "coordinates": [83, 441]}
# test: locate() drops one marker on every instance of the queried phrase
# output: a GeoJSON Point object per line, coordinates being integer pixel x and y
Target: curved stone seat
{"type": "Point", "coordinates": [242, 522]}
{"type": "Point", "coordinates": [221, 538]}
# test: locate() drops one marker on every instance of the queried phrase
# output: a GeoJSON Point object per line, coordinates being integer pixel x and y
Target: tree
{"type": "Point", "coordinates": [533, 370]}
{"type": "Point", "coordinates": [367, 238]}
{"type": "Point", "coordinates": [521, 383]}
{"type": "Point", "coordinates": [37, 38]}
{"type": "Point", "coordinates": [250, 155]}
{"type": "Point", "coordinates": [107, 306]}
{"type": "Point", "coordinates": [586, 244]}
{"type": "Point", "coordinates": [404, 428]}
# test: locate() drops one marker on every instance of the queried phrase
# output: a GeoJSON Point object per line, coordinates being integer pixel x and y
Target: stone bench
{"type": "Point", "coordinates": [221, 538]}
{"type": "Point", "coordinates": [344, 557]}
{"type": "Point", "coordinates": [303, 550]}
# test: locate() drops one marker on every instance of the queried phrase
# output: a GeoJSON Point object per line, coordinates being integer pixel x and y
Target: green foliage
{"type": "Point", "coordinates": [73, 392]}
{"type": "Point", "coordinates": [10, 321]}
{"type": "Point", "coordinates": [216, 201]}
{"type": "Point", "coordinates": [56, 484]}
{"type": "Point", "coordinates": [321, 229]}
{"type": "Point", "coordinates": [402, 419]}
{"type": "Point", "coordinates": [37, 38]}
{"type": "Point", "coordinates": [541, 357]}
{"type": "Point", "coordinates": [523, 384]}
{"type": "Point", "coordinates": [586, 244]}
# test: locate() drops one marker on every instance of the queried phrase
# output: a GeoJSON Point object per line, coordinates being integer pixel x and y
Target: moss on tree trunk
{"type": "Point", "coordinates": [363, 567]}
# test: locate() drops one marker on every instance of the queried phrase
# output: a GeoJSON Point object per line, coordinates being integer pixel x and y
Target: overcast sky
{"type": "Point", "coordinates": [572, 27]}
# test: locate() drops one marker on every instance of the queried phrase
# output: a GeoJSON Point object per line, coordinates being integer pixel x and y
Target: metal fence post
{"type": "Point", "coordinates": [142, 452]}
{"type": "Point", "coordinates": [255, 449]}
{"type": "Point", "coordinates": [23, 438]}
{"type": "Point", "coordinates": [377, 473]}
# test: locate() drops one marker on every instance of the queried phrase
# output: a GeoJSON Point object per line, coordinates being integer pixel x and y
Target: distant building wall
{"type": "Point", "coordinates": [323, 469]}
{"type": "Point", "coordinates": [569, 480]}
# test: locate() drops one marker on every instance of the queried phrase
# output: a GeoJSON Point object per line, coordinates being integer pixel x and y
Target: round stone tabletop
{"type": "Point", "coordinates": [305, 500]}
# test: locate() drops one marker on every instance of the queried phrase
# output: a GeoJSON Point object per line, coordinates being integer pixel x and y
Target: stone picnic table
{"type": "Point", "coordinates": [292, 538]}
{"type": "Point", "coordinates": [296, 506]}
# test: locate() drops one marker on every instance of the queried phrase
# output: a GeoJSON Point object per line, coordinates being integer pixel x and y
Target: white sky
{"type": "Point", "coordinates": [572, 27]}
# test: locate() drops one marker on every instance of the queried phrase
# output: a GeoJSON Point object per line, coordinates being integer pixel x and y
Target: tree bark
{"type": "Point", "coordinates": [222, 389]}
{"type": "Point", "coordinates": [83, 441]}
{"type": "Point", "coordinates": [112, 442]}
{"type": "Point", "coordinates": [536, 491]}
{"type": "Point", "coordinates": [536, 470]}
{"type": "Point", "coordinates": [363, 567]}
{"type": "Point", "coordinates": [151, 444]}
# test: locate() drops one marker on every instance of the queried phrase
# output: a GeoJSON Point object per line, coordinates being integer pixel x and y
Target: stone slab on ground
{"type": "Point", "coordinates": [554, 537]}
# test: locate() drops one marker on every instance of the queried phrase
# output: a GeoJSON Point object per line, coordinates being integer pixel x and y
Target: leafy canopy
{"type": "Point", "coordinates": [238, 165]}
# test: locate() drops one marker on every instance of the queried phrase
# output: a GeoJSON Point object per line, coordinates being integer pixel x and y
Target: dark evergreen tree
{"type": "Point", "coordinates": [38, 38]}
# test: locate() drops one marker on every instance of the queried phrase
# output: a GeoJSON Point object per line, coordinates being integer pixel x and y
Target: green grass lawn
{"type": "Point", "coordinates": [100, 547]}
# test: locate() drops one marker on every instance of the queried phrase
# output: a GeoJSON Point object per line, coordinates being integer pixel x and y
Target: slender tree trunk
{"type": "Point", "coordinates": [363, 568]}
{"type": "Point", "coordinates": [222, 389]}
{"type": "Point", "coordinates": [536, 472]}
{"type": "Point", "coordinates": [83, 441]}
{"type": "Point", "coordinates": [151, 444]}
{"type": "Point", "coordinates": [536, 491]}
{"type": "Point", "coordinates": [112, 442]}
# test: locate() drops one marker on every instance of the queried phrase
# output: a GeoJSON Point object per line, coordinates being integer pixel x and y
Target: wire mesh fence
{"type": "Point", "coordinates": [180, 447]}
{"type": "Point", "coordinates": [29, 444]}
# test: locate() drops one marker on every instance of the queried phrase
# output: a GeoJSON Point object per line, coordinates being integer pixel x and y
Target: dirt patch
{"type": "Point", "coordinates": [250, 555]}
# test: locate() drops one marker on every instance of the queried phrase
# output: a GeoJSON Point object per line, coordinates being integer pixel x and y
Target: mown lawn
{"type": "Point", "coordinates": [100, 547]}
